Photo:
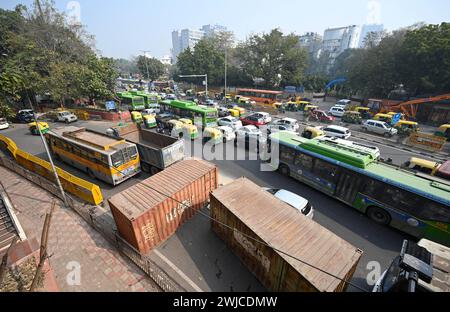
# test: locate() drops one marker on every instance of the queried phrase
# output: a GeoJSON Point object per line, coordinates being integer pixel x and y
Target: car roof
{"type": "Point", "coordinates": [289, 119]}
{"type": "Point", "coordinates": [337, 128]}
{"type": "Point", "coordinates": [292, 199]}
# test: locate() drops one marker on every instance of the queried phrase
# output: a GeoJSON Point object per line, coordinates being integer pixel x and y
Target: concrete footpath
{"type": "Point", "coordinates": [81, 258]}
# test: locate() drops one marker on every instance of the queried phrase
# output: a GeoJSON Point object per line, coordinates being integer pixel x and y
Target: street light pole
{"type": "Point", "coordinates": [58, 182]}
{"type": "Point", "coordinates": [225, 90]}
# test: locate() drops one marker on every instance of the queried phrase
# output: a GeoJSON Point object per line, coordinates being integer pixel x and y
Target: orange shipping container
{"type": "Point", "coordinates": [255, 218]}
{"type": "Point", "coordinates": [148, 213]}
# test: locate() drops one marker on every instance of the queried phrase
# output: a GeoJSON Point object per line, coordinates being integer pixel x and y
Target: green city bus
{"type": "Point", "coordinates": [414, 203]}
{"type": "Point", "coordinates": [201, 116]}
{"type": "Point", "coordinates": [132, 102]}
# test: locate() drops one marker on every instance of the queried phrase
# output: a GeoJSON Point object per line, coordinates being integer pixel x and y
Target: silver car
{"type": "Point", "coordinates": [379, 127]}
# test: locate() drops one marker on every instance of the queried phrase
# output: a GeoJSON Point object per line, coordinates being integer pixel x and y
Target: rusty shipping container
{"type": "Point", "coordinates": [254, 216]}
{"type": "Point", "coordinates": [149, 212]}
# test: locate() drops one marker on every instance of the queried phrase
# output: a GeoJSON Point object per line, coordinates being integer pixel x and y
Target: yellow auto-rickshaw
{"type": "Point", "coordinates": [150, 121]}
{"type": "Point", "coordinates": [444, 131]}
{"type": "Point", "coordinates": [364, 111]}
{"type": "Point", "coordinates": [310, 108]}
{"type": "Point", "coordinates": [296, 106]}
{"type": "Point", "coordinates": [43, 126]}
{"type": "Point", "coordinates": [407, 127]}
{"type": "Point", "coordinates": [234, 112]}
{"type": "Point", "coordinates": [212, 135]}
{"type": "Point", "coordinates": [191, 131]}
{"type": "Point", "coordinates": [394, 113]}
{"type": "Point", "coordinates": [312, 132]}
{"type": "Point", "coordinates": [384, 117]}
{"type": "Point", "coordinates": [186, 121]}
{"type": "Point", "coordinates": [136, 117]}
{"type": "Point", "coordinates": [422, 165]}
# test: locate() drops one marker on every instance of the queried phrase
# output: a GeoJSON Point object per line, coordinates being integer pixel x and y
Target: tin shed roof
{"type": "Point", "coordinates": [283, 228]}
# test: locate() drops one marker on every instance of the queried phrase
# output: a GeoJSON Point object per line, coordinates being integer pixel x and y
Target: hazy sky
{"type": "Point", "coordinates": [124, 27]}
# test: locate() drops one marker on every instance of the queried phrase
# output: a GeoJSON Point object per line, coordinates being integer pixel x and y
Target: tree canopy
{"type": "Point", "coordinates": [149, 67]}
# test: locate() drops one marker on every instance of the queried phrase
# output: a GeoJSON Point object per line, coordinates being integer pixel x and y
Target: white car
{"type": "Point", "coordinates": [337, 131]}
{"type": "Point", "coordinates": [171, 96]}
{"type": "Point", "coordinates": [250, 130]}
{"type": "Point", "coordinates": [230, 121]}
{"type": "Point", "coordinates": [66, 117]}
{"type": "Point", "coordinates": [344, 102]}
{"type": "Point", "coordinates": [264, 116]}
{"type": "Point", "coordinates": [277, 128]}
{"type": "Point", "coordinates": [291, 123]}
{"type": "Point", "coordinates": [3, 124]}
{"type": "Point", "coordinates": [337, 111]}
{"type": "Point", "coordinates": [227, 133]}
{"type": "Point", "coordinates": [299, 203]}
{"type": "Point", "coordinates": [379, 127]}
{"type": "Point", "coordinates": [163, 96]}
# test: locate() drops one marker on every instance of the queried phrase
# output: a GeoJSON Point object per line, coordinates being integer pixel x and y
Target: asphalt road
{"type": "Point", "coordinates": [379, 243]}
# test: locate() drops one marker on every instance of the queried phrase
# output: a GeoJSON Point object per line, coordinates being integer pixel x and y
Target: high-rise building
{"type": "Point", "coordinates": [188, 38]}
{"type": "Point", "coordinates": [337, 40]}
{"type": "Point", "coordinates": [376, 29]}
{"type": "Point", "coordinates": [312, 42]}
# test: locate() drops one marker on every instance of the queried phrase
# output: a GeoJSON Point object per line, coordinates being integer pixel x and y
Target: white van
{"type": "Point", "coordinates": [337, 131]}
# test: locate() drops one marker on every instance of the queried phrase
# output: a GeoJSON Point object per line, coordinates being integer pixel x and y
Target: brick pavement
{"type": "Point", "coordinates": [71, 242]}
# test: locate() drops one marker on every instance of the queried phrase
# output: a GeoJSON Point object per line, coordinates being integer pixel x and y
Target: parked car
{"type": "Point", "coordinates": [337, 111]}
{"type": "Point", "coordinates": [344, 102]}
{"type": "Point", "coordinates": [3, 124]}
{"type": "Point", "coordinates": [25, 116]}
{"type": "Point", "coordinates": [277, 128]}
{"type": "Point", "coordinates": [295, 201]}
{"type": "Point", "coordinates": [337, 131]}
{"type": "Point", "coordinates": [171, 96]}
{"type": "Point", "coordinates": [379, 127]}
{"type": "Point", "coordinates": [223, 111]}
{"type": "Point", "coordinates": [253, 120]}
{"type": "Point", "coordinates": [227, 133]}
{"type": "Point", "coordinates": [248, 131]}
{"type": "Point", "coordinates": [66, 117]}
{"type": "Point", "coordinates": [290, 123]}
{"type": "Point", "coordinates": [230, 121]}
{"type": "Point", "coordinates": [265, 116]}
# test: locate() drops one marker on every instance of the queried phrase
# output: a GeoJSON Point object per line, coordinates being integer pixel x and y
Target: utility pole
{"type": "Point", "coordinates": [58, 182]}
{"type": "Point", "coordinates": [146, 63]}
{"type": "Point", "coordinates": [225, 90]}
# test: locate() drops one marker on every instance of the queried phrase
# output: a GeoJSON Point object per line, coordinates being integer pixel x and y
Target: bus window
{"type": "Point", "coordinates": [326, 171]}
{"type": "Point", "coordinates": [435, 212]}
{"type": "Point", "coordinates": [304, 161]}
{"type": "Point", "coordinates": [286, 154]}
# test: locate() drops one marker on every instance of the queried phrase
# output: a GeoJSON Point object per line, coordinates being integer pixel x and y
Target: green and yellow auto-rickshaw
{"type": "Point", "coordinates": [43, 126]}
{"type": "Point", "coordinates": [364, 111]}
{"type": "Point", "coordinates": [191, 131]}
{"type": "Point", "coordinates": [296, 106]}
{"type": "Point", "coordinates": [212, 136]}
{"type": "Point", "coordinates": [310, 108]}
{"type": "Point", "coordinates": [352, 117]}
{"type": "Point", "coordinates": [136, 117]}
{"type": "Point", "coordinates": [150, 121]}
{"type": "Point", "coordinates": [407, 127]}
{"type": "Point", "coordinates": [444, 131]}
{"type": "Point", "coordinates": [312, 132]}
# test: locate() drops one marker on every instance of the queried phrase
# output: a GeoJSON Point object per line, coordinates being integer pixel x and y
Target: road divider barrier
{"type": "Point", "coordinates": [83, 189]}
{"type": "Point", "coordinates": [426, 141]}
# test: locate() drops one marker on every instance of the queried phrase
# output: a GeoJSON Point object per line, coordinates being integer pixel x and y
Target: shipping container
{"type": "Point", "coordinates": [149, 212]}
{"type": "Point", "coordinates": [255, 218]}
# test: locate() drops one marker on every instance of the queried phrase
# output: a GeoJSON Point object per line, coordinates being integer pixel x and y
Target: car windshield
{"type": "Point", "coordinates": [117, 159]}
{"type": "Point", "coordinates": [65, 113]}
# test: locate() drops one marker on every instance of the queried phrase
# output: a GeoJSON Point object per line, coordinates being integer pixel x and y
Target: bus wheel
{"type": "Point", "coordinates": [379, 215]}
{"type": "Point", "coordinates": [90, 173]}
{"type": "Point", "coordinates": [154, 170]}
{"type": "Point", "coordinates": [284, 170]}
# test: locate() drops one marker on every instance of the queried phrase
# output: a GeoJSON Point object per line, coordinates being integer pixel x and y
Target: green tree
{"type": "Point", "coordinates": [154, 66]}
{"type": "Point", "coordinates": [274, 57]}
